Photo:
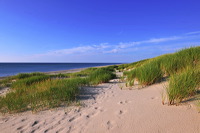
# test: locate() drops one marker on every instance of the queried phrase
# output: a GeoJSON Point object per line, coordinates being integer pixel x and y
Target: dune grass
{"type": "Point", "coordinates": [5, 82]}
{"type": "Point", "coordinates": [101, 75]}
{"type": "Point", "coordinates": [82, 73]}
{"type": "Point", "coordinates": [29, 81]}
{"type": "Point", "coordinates": [26, 75]}
{"type": "Point", "coordinates": [181, 68]}
{"type": "Point", "coordinates": [154, 69]}
{"type": "Point", "coordinates": [183, 85]}
{"type": "Point", "coordinates": [147, 74]}
{"type": "Point", "coordinates": [9, 80]}
{"type": "Point", "coordinates": [122, 67]}
{"type": "Point", "coordinates": [180, 61]}
{"type": "Point", "coordinates": [40, 91]}
{"type": "Point", "coordinates": [42, 95]}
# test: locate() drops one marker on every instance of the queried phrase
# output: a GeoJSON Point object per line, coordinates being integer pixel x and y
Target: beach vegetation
{"type": "Point", "coordinates": [130, 66]}
{"type": "Point", "coordinates": [39, 91]}
{"type": "Point", "coordinates": [26, 75]}
{"type": "Point", "coordinates": [101, 75]}
{"type": "Point", "coordinates": [183, 85]}
{"type": "Point", "coordinates": [180, 68]}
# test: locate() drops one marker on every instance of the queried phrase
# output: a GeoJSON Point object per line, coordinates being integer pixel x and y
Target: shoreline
{"type": "Point", "coordinates": [61, 71]}
{"type": "Point", "coordinates": [53, 72]}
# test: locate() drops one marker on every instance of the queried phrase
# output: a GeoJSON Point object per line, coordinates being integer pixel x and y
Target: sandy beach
{"type": "Point", "coordinates": [108, 109]}
{"type": "Point", "coordinates": [102, 66]}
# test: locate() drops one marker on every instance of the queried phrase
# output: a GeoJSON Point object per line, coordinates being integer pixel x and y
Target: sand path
{"type": "Point", "coordinates": [108, 109]}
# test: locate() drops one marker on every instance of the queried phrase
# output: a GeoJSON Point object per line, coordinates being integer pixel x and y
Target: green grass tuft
{"type": "Point", "coordinates": [28, 81]}
{"type": "Point", "coordinates": [154, 69]}
{"type": "Point", "coordinates": [182, 86]}
{"type": "Point", "coordinates": [42, 95]}
{"type": "Point", "coordinates": [101, 75]}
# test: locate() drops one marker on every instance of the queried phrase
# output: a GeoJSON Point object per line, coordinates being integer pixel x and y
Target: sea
{"type": "Point", "coordinates": [9, 69]}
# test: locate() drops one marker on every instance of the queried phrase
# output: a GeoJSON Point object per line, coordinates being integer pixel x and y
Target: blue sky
{"type": "Point", "coordinates": [96, 30]}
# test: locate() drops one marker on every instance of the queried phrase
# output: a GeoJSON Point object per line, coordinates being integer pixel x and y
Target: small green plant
{"type": "Point", "coordinates": [198, 106]}
{"type": "Point", "coordinates": [163, 97]}
{"type": "Point", "coordinates": [26, 75]}
{"type": "Point", "coordinates": [101, 75]}
{"type": "Point", "coordinates": [146, 74]}
{"type": "Point", "coordinates": [182, 86]}
{"type": "Point", "coordinates": [28, 81]}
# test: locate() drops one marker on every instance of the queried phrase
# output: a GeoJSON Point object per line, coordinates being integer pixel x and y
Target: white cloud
{"type": "Point", "coordinates": [101, 46]}
{"type": "Point", "coordinates": [77, 50]}
{"type": "Point", "coordinates": [193, 33]}
{"type": "Point", "coordinates": [121, 47]}
{"type": "Point", "coordinates": [158, 40]}
{"type": "Point", "coordinates": [128, 44]}
{"type": "Point", "coordinates": [72, 50]}
{"type": "Point", "coordinates": [112, 51]}
{"type": "Point", "coordinates": [153, 40]}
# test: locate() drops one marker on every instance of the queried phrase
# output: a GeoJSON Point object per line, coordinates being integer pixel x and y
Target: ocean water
{"type": "Point", "coordinates": [8, 69]}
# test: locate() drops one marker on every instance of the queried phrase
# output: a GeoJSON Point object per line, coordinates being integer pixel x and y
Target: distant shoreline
{"type": "Point", "coordinates": [62, 71]}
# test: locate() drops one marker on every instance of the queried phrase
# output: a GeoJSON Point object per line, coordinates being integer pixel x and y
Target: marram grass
{"type": "Point", "coordinates": [29, 81]}
{"type": "Point", "coordinates": [45, 94]}
{"type": "Point", "coordinates": [148, 73]}
{"type": "Point", "coordinates": [154, 69]}
{"type": "Point", "coordinates": [182, 86]}
{"type": "Point", "coordinates": [40, 91]}
{"type": "Point", "coordinates": [101, 75]}
{"type": "Point", "coordinates": [133, 65]}
{"type": "Point", "coordinates": [181, 68]}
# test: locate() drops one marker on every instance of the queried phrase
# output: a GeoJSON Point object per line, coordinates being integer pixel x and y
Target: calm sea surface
{"type": "Point", "coordinates": [8, 69]}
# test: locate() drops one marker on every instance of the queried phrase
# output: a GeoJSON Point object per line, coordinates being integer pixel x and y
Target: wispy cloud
{"type": "Point", "coordinates": [193, 33]}
{"type": "Point", "coordinates": [77, 50]}
{"type": "Point", "coordinates": [115, 50]}
{"type": "Point", "coordinates": [126, 45]}
{"type": "Point", "coordinates": [107, 48]}
{"type": "Point", "coordinates": [72, 50]}
{"type": "Point", "coordinates": [158, 40]}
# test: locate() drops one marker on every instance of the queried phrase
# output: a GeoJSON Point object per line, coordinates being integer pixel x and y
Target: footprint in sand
{"type": "Point", "coordinates": [120, 112]}
{"type": "Point", "coordinates": [71, 119]}
{"type": "Point", "coordinates": [34, 131]}
{"type": "Point", "coordinates": [120, 102]}
{"type": "Point", "coordinates": [23, 120]}
{"type": "Point", "coordinates": [69, 130]}
{"type": "Point", "coordinates": [35, 123]}
{"type": "Point", "coordinates": [123, 102]}
{"type": "Point", "coordinates": [4, 120]}
{"type": "Point", "coordinates": [91, 114]}
{"type": "Point", "coordinates": [154, 98]}
{"type": "Point", "coordinates": [19, 128]}
{"type": "Point", "coordinates": [100, 109]}
{"type": "Point", "coordinates": [109, 125]}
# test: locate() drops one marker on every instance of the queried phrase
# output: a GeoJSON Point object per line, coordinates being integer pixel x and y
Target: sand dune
{"type": "Point", "coordinates": [108, 109]}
